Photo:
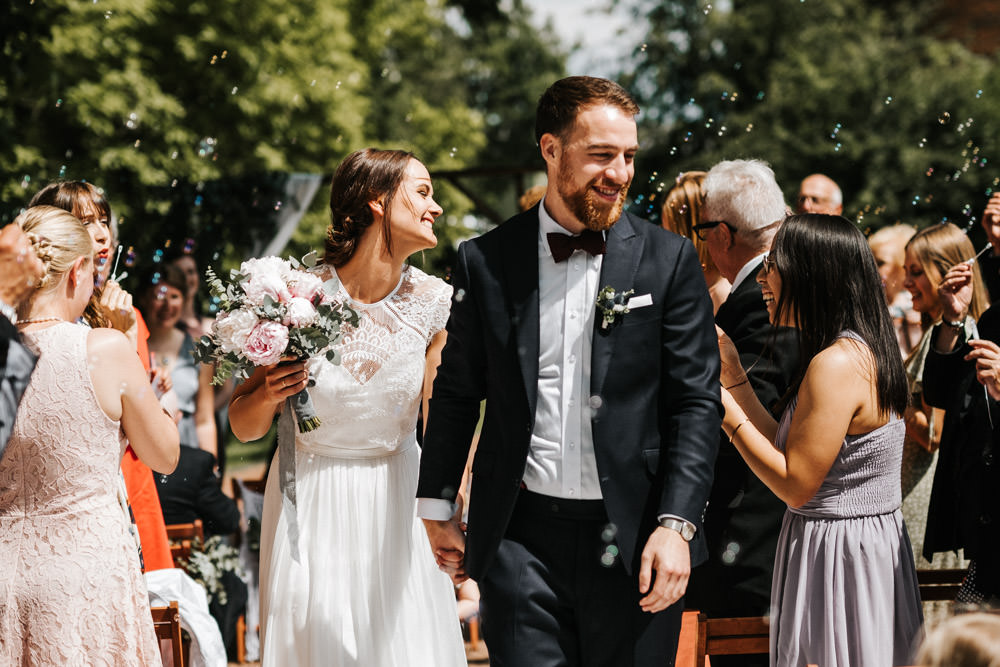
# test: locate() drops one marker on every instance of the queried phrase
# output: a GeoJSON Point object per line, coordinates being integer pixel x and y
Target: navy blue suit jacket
{"type": "Point", "coordinates": [655, 379]}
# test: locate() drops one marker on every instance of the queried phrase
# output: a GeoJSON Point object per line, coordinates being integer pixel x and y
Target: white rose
{"type": "Point", "coordinates": [233, 328]}
{"type": "Point", "coordinates": [300, 313]}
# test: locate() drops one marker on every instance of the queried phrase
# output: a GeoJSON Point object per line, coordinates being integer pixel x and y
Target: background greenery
{"type": "Point", "coordinates": [191, 114]}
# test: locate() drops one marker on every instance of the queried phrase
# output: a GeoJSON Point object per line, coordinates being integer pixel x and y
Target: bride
{"type": "Point", "coordinates": [347, 576]}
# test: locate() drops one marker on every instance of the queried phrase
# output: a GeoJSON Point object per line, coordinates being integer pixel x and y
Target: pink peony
{"type": "Point", "coordinates": [304, 285]}
{"type": "Point", "coordinates": [300, 313]}
{"type": "Point", "coordinates": [233, 328]}
{"type": "Point", "coordinates": [266, 343]}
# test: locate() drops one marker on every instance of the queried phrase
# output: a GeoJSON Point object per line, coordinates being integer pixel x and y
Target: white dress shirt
{"type": "Point", "coordinates": [561, 460]}
{"type": "Point", "coordinates": [744, 272]}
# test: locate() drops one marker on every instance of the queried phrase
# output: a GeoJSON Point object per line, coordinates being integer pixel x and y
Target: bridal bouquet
{"type": "Point", "coordinates": [273, 309]}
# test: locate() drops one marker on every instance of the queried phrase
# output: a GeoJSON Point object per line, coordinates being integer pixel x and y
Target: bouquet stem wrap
{"type": "Point", "coordinates": [299, 411]}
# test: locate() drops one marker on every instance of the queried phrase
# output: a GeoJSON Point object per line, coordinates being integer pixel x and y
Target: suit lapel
{"type": "Point", "coordinates": [520, 267]}
{"type": "Point", "coordinates": [621, 260]}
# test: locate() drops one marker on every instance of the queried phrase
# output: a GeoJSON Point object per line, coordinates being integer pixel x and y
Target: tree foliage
{"type": "Point", "coordinates": [188, 113]}
{"type": "Point", "coordinates": [867, 93]}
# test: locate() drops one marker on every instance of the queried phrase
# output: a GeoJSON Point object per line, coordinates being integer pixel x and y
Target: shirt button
{"type": "Point", "coordinates": [572, 445]}
{"type": "Point", "coordinates": [572, 491]}
{"type": "Point", "coordinates": [572, 316]}
{"type": "Point", "coordinates": [572, 358]}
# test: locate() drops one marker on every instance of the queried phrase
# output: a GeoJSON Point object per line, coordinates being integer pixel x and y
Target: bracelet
{"type": "Point", "coordinates": [733, 435]}
{"type": "Point", "coordinates": [741, 382]}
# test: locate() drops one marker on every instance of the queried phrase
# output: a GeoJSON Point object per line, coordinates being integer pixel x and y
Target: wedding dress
{"type": "Point", "coordinates": [365, 589]}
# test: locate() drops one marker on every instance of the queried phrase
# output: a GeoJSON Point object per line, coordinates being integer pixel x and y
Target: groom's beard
{"type": "Point", "coordinates": [588, 208]}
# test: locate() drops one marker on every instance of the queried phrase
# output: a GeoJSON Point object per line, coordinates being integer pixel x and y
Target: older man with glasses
{"type": "Point", "coordinates": [742, 212]}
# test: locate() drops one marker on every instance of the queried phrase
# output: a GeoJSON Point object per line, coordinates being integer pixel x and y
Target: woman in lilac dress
{"type": "Point", "coordinates": [844, 590]}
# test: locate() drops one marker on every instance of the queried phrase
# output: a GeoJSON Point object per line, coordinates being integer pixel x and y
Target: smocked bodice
{"type": "Point", "coordinates": [368, 403]}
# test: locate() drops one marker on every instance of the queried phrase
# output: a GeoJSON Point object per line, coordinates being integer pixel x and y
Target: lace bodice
{"type": "Point", "coordinates": [368, 404]}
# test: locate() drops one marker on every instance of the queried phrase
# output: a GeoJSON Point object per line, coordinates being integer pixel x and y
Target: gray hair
{"type": "Point", "coordinates": [745, 194]}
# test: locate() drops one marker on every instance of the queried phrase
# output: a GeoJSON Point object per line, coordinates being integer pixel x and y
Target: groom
{"type": "Point", "coordinates": [601, 427]}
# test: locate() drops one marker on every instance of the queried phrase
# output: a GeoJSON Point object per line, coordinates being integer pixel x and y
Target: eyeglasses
{"type": "Point", "coordinates": [702, 227]}
{"type": "Point", "coordinates": [769, 264]}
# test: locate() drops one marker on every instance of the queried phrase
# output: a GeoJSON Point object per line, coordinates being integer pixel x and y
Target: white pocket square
{"type": "Point", "coordinates": [640, 301]}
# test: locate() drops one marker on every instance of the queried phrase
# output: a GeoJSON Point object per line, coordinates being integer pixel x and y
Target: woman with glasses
{"type": "Point", "coordinates": [844, 590]}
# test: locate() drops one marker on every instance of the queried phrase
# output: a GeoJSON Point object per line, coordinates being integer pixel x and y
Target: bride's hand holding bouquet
{"type": "Point", "coordinates": [274, 315]}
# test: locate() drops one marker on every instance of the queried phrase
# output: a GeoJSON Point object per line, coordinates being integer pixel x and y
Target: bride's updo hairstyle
{"type": "Point", "coordinates": [59, 239]}
{"type": "Point", "coordinates": [366, 175]}
{"type": "Point", "coordinates": [830, 284]}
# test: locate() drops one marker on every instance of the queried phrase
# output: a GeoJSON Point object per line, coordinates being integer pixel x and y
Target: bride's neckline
{"type": "Point", "coordinates": [363, 304]}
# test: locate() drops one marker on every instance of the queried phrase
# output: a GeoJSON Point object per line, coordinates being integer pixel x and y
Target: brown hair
{"type": "Point", "coordinates": [73, 196]}
{"type": "Point", "coordinates": [682, 210]}
{"type": "Point", "coordinates": [940, 247]}
{"type": "Point", "coordinates": [364, 176]}
{"type": "Point", "coordinates": [562, 102]}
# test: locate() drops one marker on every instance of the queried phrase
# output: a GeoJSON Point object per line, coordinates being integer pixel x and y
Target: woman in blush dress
{"type": "Point", "coordinates": [681, 211]}
{"type": "Point", "coordinates": [845, 587]}
{"type": "Point", "coordinates": [356, 582]}
{"type": "Point", "coordinates": [70, 581]}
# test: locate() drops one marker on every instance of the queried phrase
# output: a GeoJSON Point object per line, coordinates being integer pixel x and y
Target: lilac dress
{"type": "Point", "coordinates": [845, 586]}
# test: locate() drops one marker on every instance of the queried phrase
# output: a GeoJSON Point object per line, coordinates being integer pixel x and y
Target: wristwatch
{"type": "Point", "coordinates": [685, 528]}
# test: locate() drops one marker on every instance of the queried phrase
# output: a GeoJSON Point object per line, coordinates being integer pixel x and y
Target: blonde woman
{"type": "Point", "coordinates": [928, 256]}
{"type": "Point", "coordinates": [681, 212]}
{"type": "Point", "coordinates": [69, 571]}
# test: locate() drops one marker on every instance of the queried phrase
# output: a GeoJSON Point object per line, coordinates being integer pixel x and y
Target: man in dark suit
{"type": "Point", "coordinates": [741, 214]}
{"type": "Point", "coordinates": [20, 269]}
{"type": "Point", "coordinates": [601, 425]}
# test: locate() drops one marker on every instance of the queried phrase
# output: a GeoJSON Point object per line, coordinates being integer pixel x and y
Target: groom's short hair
{"type": "Point", "coordinates": [560, 104]}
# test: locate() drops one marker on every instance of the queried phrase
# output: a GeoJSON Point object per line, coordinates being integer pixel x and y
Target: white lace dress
{"type": "Point", "coordinates": [365, 590]}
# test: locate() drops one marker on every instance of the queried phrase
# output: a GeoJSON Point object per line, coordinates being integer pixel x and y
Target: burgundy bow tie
{"type": "Point", "coordinates": [563, 245]}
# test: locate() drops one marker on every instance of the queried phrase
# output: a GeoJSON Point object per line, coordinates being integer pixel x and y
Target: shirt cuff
{"type": "Point", "coordinates": [435, 509]}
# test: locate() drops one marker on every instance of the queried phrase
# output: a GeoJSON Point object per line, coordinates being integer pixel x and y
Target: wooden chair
{"type": "Point", "coordinates": [167, 624]}
{"type": "Point", "coordinates": [936, 585]}
{"type": "Point", "coordinates": [731, 636]}
{"type": "Point", "coordinates": [181, 535]}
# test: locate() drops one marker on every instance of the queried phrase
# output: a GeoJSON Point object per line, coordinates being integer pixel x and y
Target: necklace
{"type": "Point", "coordinates": [40, 319]}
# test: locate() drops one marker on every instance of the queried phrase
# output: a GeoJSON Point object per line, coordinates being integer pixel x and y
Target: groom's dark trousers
{"type": "Point", "coordinates": [559, 577]}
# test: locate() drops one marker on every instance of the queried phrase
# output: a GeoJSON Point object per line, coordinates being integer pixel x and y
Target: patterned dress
{"type": "Point", "coordinates": [71, 592]}
{"type": "Point", "coordinates": [365, 589]}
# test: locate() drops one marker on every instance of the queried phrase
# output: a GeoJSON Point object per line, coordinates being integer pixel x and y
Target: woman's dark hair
{"type": "Point", "coordinates": [72, 196]}
{"type": "Point", "coordinates": [830, 284]}
{"type": "Point", "coordinates": [364, 176]}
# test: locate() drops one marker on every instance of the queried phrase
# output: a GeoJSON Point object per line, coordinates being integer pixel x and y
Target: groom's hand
{"type": "Point", "coordinates": [668, 555]}
{"type": "Point", "coordinates": [448, 544]}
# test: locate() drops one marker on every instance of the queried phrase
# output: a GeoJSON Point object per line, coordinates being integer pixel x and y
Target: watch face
{"type": "Point", "coordinates": [687, 532]}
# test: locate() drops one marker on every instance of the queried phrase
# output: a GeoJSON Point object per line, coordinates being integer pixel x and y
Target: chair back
{"type": "Point", "coordinates": [181, 535]}
{"type": "Point", "coordinates": [167, 625]}
{"type": "Point", "coordinates": [732, 636]}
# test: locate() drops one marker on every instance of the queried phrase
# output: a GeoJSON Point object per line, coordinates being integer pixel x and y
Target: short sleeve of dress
{"type": "Point", "coordinates": [440, 304]}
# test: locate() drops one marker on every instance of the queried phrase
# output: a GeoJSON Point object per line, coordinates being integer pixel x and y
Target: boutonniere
{"type": "Point", "coordinates": [612, 306]}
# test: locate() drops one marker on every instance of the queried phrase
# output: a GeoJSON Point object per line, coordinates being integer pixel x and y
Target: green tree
{"type": "Point", "coordinates": [864, 92]}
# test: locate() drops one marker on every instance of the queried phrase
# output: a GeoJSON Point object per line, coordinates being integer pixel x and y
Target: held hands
{"type": "Point", "coordinates": [20, 268]}
{"type": "Point", "coordinates": [955, 292]}
{"type": "Point", "coordinates": [447, 540]}
{"type": "Point", "coordinates": [668, 556]}
{"type": "Point", "coordinates": [986, 354]}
